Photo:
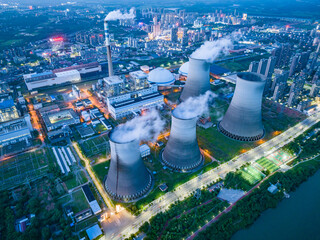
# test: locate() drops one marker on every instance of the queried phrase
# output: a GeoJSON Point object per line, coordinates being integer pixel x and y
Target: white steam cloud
{"type": "Point", "coordinates": [145, 127]}
{"type": "Point", "coordinates": [195, 106]}
{"type": "Point", "coordinates": [209, 51]}
{"type": "Point", "coordinates": [117, 14]}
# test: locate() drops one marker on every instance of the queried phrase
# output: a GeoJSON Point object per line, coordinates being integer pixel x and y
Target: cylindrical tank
{"type": "Point", "coordinates": [182, 151]}
{"type": "Point", "coordinates": [128, 178]}
{"type": "Point", "coordinates": [198, 80]}
{"type": "Point", "coordinates": [243, 120]}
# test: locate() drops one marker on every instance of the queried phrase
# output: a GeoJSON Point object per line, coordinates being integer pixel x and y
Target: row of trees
{"type": "Point", "coordinates": [183, 217]}
{"type": "Point", "coordinates": [247, 210]}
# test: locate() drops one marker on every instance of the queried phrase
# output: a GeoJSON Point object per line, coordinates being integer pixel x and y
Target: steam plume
{"type": "Point", "coordinates": [117, 14]}
{"type": "Point", "coordinates": [209, 51]}
{"type": "Point", "coordinates": [195, 106]}
{"type": "Point", "coordinates": [145, 127]}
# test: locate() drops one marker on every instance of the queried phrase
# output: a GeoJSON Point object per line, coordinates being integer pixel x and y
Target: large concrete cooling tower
{"type": "Point", "coordinates": [198, 80]}
{"type": "Point", "coordinates": [128, 178]}
{"type": "Point", "coordinates": [182, 151]}
{"type": "Point", "coordinates": [242, 120]}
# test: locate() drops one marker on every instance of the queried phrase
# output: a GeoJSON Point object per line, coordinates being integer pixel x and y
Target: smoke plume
{"type": "Point", "coordinates": [194, 107]}
{"type": "Point", "coordinates": [209, 51]}
{"type": "Point", "coordinates": [145, 127]}
{"type": "Point", "coordinates": [117, 14]}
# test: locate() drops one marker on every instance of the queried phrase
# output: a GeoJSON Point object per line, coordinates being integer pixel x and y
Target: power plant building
{"type": "Point", "coordinates": [182, 150]}
{"type": "Point", "coordinates": [128, 178]}
{"type": "Point", "coordinates": [50, 78]}
{"type": "Point", "coordinates": [131, 103]}
{"type": "Point", "coordinates": [16, 130]}
{"type": "Point", "coordinates": [243, 119]}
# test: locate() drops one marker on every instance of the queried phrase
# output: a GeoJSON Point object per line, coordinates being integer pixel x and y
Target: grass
{"type": "Point", "coordinates": [101, 170]}
{"type": "Point", "coordinates": [79, 201]}
{"type": "Point", "coordinates": [267, 164]}
{"type": "Point", "coordinates": [77, 180]}
{"type": "Point", "coordinates": [251, 174]}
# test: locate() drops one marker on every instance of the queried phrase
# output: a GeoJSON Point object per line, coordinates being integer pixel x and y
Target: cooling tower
{"type": "Point", "coordinates": [182, 151]}
{"type": "Point", "coordinates": [198, 80]}
{"type": "Point", "coordinates": [128, 178]}
{"type": "Point", "coordinates": [242, 120]}
{"type": "Point", "coordinates": [107, 44]}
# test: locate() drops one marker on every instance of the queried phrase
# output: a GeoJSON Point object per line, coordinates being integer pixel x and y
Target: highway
{"type": "Point", "coordinates": [161, 204]}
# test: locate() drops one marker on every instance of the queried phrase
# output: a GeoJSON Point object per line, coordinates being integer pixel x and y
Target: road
{"type": "Point", "coordinates": [162, 204]}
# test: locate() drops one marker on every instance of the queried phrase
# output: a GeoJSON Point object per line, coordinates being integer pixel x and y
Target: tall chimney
{"type": "Point", "coordinates": [243, 120]}
{"type": "Point", "coordinates": [107, 43]}
{"type": "Point", "coordinates": [198, 80]}
{"type": "Point", "coordinates": [182, 150]}
{"type": "Point", "coordinates": [128, 178]}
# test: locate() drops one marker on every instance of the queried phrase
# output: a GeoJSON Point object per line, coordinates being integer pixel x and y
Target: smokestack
{"type": "Point", "coordinates": [243, 120]}
{"type": "Point", "coordinates": [182, 151]}
{"type": "Point", "coordinates": [128, 178]}
{"type": "Point", "coordinates": [198, 80]}
{"type": "Point", "coordinates": [107, 43]}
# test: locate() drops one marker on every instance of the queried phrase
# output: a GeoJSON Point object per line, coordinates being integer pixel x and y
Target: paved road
{"type": "Point", "coordinates": [161, 204]}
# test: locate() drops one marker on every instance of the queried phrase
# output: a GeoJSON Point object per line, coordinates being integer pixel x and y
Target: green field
{"type": "Point", "coordinates": [251, 174]}
{"type": "Point", "coordinates": [24, 167]}
{"type": "Point", "coordinates": [101, 170]}
{"type": "Point", "coordinates": [267, 164]}
{"type": "Point", "coordinates": [76, 180]}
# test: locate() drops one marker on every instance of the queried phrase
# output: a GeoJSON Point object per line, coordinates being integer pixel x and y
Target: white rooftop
{"type": "Point", "coordinates": [161, 76]}
{"type": "Point", "coordinates": [113, 80]}
{"type": "Point", "coordinates": [183, 70]}
{"type": "Point", "coordinates": [138, 74]}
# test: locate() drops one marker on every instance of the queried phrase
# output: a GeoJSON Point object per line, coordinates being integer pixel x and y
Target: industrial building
{"type": "Point", "coordinates": [128, 178]}
{"type": "Point", "coordinates": [8, 110]}
{"type": "Point", "coordinates": [57, 119]}
{"type": "Point", "coordinates": [198, 80]}
{"type": "Point", "coordinates": [16, 130]}
{"type": "Point", "coordinates": [139, 80]}
{"type": "Point", "coordinates": [243, 120]}
{"type": "Point", "coordinates": [50, 78]}
{"type": "Point", "coordinates": [113, 85]}
{"type": "Point", "coordinates": [182, 151]}
{"type": "Point", "coordinates": [133, 102]}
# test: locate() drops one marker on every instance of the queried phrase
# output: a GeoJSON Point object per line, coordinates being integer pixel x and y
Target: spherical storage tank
{"type": "Point", "coordinates": [183, 70]}
{"type": "Point", "coordinates": [161, 77]}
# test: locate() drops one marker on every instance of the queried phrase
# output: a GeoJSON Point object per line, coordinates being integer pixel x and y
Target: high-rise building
{"type": "Point", "coordinates": [253, 67]}
{"type": "Point", "coordinates": [262, 66]}
{"type": "Point", "coordinates": [185, 37]}
{"type": "Point", "coordinates": [294, 64]}
{"type": "Point", "coordinates": [174, 34]}
{"type": "Point", "coordinates": [270, 67]}
{"type": "Point", "coordinates": [282, 54]}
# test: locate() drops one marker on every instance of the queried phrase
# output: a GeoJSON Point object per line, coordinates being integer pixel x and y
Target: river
{"type": "Point", "coordinates": [295, 218]}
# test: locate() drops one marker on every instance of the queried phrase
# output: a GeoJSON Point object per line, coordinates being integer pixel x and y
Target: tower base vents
{"type": "Point", "coordinates": [180, 167]}
{"type": "Point", "coordinates": [240, 138]}
{"type": "Point", "coordinates": [132, 197]}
